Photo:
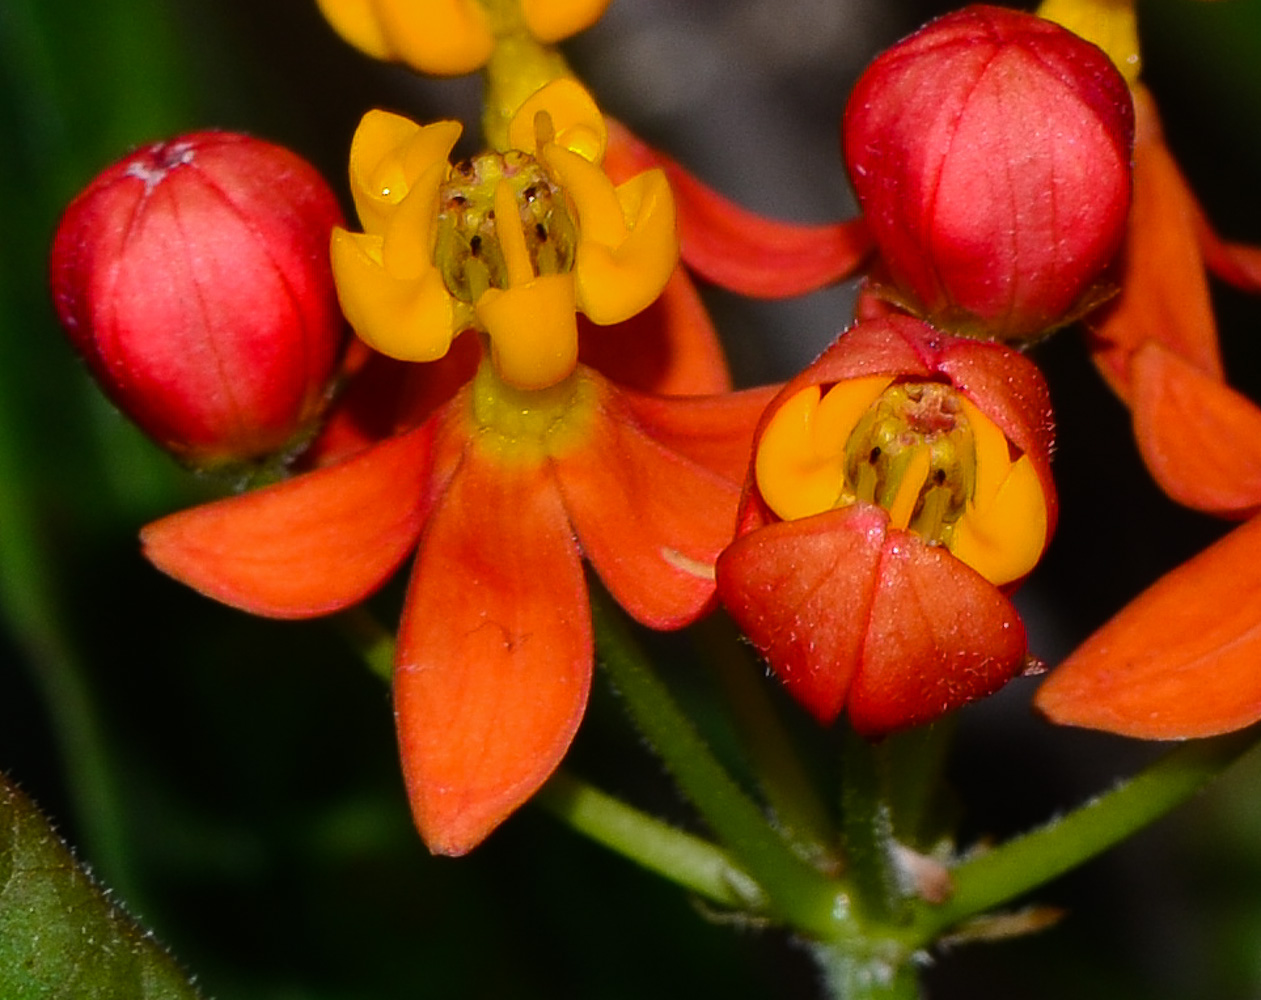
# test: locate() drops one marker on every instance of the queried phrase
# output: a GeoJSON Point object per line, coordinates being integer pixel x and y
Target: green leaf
{"type": "Point", "coordinates": [59, 933]}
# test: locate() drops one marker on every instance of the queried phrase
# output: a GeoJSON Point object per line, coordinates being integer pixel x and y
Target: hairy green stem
{"type": "Point", "coordinates": [797, 893]}
{"type": "Point", "coordinates": [798, 809]}
{"type": "Point", "coordinates": [691, 862]}
{"type": "Point", "coordinates": [867, 833]}
{"type": "Point", "coordinates": [371, 640]}
{"type": "Point", "coordinates": [999, 876]}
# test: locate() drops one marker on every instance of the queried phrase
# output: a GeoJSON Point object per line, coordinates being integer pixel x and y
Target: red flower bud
{"type": "Point", "coordinates": [194, 278]}
{"type": "Point", "coordinates": [990, 152]}
{"type": "Point", "coordinates": [900, 489]}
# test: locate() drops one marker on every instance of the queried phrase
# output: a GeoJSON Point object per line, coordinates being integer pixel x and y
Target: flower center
{"type": "Point", "coordinates": [470, 242]}
{"type": "Point", "coordinates": [921, 450]}
{"type": "Point", "coordinates": [913, 453]}
{"type": "Point", "coordinates": [529, 425]}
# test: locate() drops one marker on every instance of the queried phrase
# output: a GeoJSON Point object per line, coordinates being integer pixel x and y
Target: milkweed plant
{"type": "Point", "coordinates": [467, 409]}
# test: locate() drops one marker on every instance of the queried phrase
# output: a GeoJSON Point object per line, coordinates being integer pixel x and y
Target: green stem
{"type": "Point", "coordinates": [797, 893]}
{"type": "Point", "coordinates": [687, 860]}
{"type": "Point", "coordinates": [371, 640]}
{"type": "Point", "coordinates": [867, 832]}
{"type": "Point", "coordinates": [852, 975]}
{"type": "Point", "coordinates": [782, 777]}
{"type": "Point", "coordinates": [1001, 875]}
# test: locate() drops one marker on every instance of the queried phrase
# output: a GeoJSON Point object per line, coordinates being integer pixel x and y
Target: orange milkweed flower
{"type": "Point", "coordinates": [500, 491]}
{"type": "Point", "coordinates": [900, 489]}
{"type": "Point", "coordinates": [504, 460]}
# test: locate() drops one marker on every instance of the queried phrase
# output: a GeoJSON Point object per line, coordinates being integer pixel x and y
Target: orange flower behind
{"type": "Point", "coordinates": [1156, 344]}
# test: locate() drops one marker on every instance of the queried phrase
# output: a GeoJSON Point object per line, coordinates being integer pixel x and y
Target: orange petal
{"type": "Point", "coordinates": [671, 347]}
{"type": "Point", "coordinates": [802, 592]}
{"type": "Point", "coordinates": [939, 636]}
{"type": "Point", "coordinates": [650, 521]}
{"type": "Point", "coordinates": [1236, 263]}
{"type": "Point", "coordinates": [1201, 439]}
{"type": "Point", "coordinates": [495, 651]}
{"type": "Point", "coordinates": [713, 431]}
{"type": "Point", "coordinates": [1181, 660]}
{"type": "Point", "coordinates": [1164, 292]}
{"type": "Point", "coordinates": [307, 546]}
{"type": "Point", "coordinates": [741, 250]}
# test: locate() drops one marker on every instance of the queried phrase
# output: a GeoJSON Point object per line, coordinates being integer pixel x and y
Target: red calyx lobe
{"type": "Point", "coordinates": [990, 152]}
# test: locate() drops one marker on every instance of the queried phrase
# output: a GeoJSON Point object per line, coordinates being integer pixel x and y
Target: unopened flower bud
{"type": "Point", "coordinates": [194, 278]}
{"type": "Point", "coordinates": [990, 152]}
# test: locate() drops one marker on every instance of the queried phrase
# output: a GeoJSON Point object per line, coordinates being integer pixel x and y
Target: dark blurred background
{"type": "Point", "coordinates": [235, 781]}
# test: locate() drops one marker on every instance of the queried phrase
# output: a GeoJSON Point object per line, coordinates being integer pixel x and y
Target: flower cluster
{"type": "Point", "coordinates": [537, 383]}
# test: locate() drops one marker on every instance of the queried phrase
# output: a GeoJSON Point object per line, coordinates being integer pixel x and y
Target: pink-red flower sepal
{"type": "Point", "coordinates": [193, 277]}
{"type": "Point", "coordinates": [990, 152]}
{"type": "Point", "coordinates": [901, 489]}
{"type": "Point", "coordinates": [854, 614]}
{"type": "Point", "coordinates": [1179, 661]}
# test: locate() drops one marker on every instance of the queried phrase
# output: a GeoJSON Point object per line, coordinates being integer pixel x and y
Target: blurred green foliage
{"type": "Point", "coordinates": [234, 780]}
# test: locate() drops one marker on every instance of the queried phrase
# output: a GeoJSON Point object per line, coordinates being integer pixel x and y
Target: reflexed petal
{"type": "Point", "coordinates": [761, 257]}
{"type": "Point", "coordinates": [1236, 263]}
{"type": "Point", "coordinates": [1182, 660]}
{"type": "Point", "coordinates": [1201, 439]}
{"type": "Point", "coordinates": [650, 521]}
{"type": "Point", "coordinates": [383, 396]}
{"type": "Point", "coordinates": [495, 651]}
{"type": "Point", "coordinates": [738, 249]}
{"type": "Point", "coordinates": [1164, 292]}
{"type": "Point", "coordinates": [671, 347]}
{"type": "Point", "coordinates": [307, 546]}
{"type": "Point", "coordinates": [408, 319]}
{"type": "Point", "coordinates": [713, 431]}
{"type": "Point", "coordinates": [802, 592]}
{"type": "Point", "coordinates": [939, 636]}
